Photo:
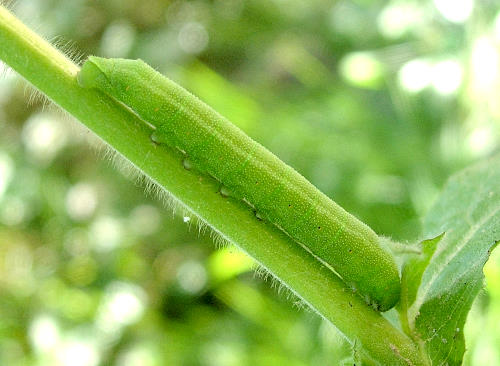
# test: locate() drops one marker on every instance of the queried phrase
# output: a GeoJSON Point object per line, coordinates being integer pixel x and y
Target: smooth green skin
{"type": "Point", "coordinates": [277, 192]}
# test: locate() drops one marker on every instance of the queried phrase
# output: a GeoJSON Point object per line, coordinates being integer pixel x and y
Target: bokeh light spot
{"type": "Point", "coordinates": [485, 63]}
{"type": "Point", "coordinates": [122, 305]}
{"type": "Point", "coordinates": [74, 352]}
{"type": "Point", "coordinates": [118, 39]}
{"type": "Point", "coordinates": [481, 141]}
{"type": "Point", "coordinates": [44, 333]}
{"type": "Point", "coordinates": [361, 69]}
{"type": "Point", "coordinates": [446, 76]}
{"type": "Point", "coordinates": [6, 172]}
{"type": "Point", "coordinates": [138, 355]}
{"type": "Point", "coordinates": [44, 136]}
{"type": "Point", "coordinates": [81, 201]}
{"type": "Point", "coordinates": [398, 18]}
{"type": "Point", "coordinates": [192, 276]}
{"type": "Point", "coordinates": [106, 233]}
{"type": "Point", "coordinates": [193, 38]}
{"type": "Point", "coordinates": [456, 11]}
{"type": "Point", "coordinates": [415, 75]}
{"type": "Point", "coordinates": [145, 220]}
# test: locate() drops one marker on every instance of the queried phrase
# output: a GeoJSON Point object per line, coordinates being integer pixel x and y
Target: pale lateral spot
{"type": "Point", "coordinates": [154, 137]}
{"type": "Point", "coordinates": [224, 191]}
{"type": "Point", "coordinates": [186, 163]}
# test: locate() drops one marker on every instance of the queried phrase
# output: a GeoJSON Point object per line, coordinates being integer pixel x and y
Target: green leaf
{"type": "Point", "coordinates": [414, 268]}
{"type": "Point", "coordinates": [468, 213]}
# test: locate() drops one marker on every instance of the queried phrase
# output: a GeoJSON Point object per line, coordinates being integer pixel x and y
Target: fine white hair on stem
{"type": "Point", "coordinates": [154, 189]}
{"type": "Point", "coordinates": [5, 70]}
{"type": "Point", "coordinates": [69, 48]}
{"type": "Point", "coordinates": [9, 4]}
{"type": "Point", "coordinates": [35, 96]}
{"type": "Point", "coordinates": [281, 288]}
{"type": "Point", "coordinates": [261, 272]}
{"type": "Point", "coordinates": [65, 46]}
{"type": "Point", "coordinates": [30, 93]}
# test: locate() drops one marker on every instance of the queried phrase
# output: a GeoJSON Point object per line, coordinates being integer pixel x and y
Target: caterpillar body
{"type": "Point", "coordinates": [250, 172]}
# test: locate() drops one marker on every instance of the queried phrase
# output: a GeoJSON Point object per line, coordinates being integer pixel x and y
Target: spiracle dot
{"type": "Point", "coordinates": [186, 163]}
{"type": "Point", "coordinates": [224, 191]}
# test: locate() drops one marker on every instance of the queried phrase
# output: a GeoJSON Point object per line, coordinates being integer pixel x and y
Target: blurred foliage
{"type": "Point", "coordinates": [375, 102]}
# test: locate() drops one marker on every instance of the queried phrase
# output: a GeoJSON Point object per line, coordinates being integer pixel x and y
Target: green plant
{"type": "Point", "coordinates": [432, 322]}
{"type": "Point", "coordinates": [214, 146]}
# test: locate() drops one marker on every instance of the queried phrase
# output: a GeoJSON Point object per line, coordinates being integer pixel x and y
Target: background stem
{"type": "Point", "coordinates": [54, 74]}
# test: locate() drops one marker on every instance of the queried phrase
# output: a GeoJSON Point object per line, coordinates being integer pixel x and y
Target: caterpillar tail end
{"type": "Point", "coordinates": [390, 298]}
{"type": "Point", "coordinates": [386, 296]}
{"type": "Point", "coordinates": [91, 74]}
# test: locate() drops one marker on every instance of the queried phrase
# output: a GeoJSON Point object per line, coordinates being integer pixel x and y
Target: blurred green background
{"type": "Point", "coordinates": [375, 102]}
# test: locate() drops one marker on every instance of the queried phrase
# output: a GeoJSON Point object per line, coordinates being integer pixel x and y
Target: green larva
{"type": "Point", "coordinates": [250, 172]}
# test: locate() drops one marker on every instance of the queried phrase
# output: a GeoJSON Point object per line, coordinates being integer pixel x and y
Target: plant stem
{"type": "Point", "coordinates": [55, 75]}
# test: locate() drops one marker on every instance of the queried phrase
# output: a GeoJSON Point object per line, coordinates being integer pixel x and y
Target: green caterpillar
{"type": "Point", "coordinates": [250, 172]}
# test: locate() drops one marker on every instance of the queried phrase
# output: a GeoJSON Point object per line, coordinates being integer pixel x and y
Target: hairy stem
{"type": "Point", "coordinates": [55, 75]}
